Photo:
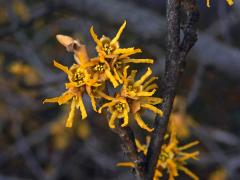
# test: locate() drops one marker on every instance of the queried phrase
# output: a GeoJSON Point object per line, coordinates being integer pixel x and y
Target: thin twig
{"type": "Point", "coordinates": [130, 148]}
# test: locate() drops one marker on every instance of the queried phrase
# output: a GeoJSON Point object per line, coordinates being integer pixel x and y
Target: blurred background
{"type": "Point", "coordinates": [34, 144]}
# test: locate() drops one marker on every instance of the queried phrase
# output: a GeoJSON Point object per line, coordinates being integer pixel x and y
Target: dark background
{"type": "Point", "coordinates": [34, 144]}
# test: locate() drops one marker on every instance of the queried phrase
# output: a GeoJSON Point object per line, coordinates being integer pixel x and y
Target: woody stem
{"type": "Point", "coordinates": [130, 149]}
{"type": "Point", "coordinates": [175, 61]}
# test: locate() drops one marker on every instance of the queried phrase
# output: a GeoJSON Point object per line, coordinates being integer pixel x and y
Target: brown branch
{"type": "Point", "coordinates": [175, 61]}
{"type": "Point", "coordinates": [130, 149]}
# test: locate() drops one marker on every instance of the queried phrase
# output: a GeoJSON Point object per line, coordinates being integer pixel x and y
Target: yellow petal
{"type": "Point", "coordinates": [145, 93]}
{"type": "Point", "coordinates": [151, 100]}
{"type": "Point", "coordinates": [82, 107]}
{"type": "Point", "coordinates": [71, 114]}
{"type": "Point", "coordinates": [172, 169]}
{"type": "Point", "coordinates": [95, 37]}
{"type": "Point", "coordinates": [106, 105]}
{"type": "Point", "coordinates": [150, 87]}
{"type": "Point", "coordinates": [141, 123]}
{"type": "Point", "coordinates": [188, 172]}
{"type": "Point", "coordinates": [125, 119]}
{"type": "Point", "coordinates": [149, 61]}
{"type": "Point", "coordinates": [189, 156]}
{"type": "Point", "coordinates": [125, 72]}
{"type": "Point", "coordinates": [124, 50]}
{"type": "Point", "coordinates": [111, 78]}
{"type": "Point", "coordinates": [64, 40]}
{"type": "Point", "coordinates": [157, 175]}
{"type": "Point", "coordinates": [135, 51]}
{"type": "Point", "coordinates": [152, 108]}
{"type": "Point", "coordinates": [126, 164]}
{"type": "Point", "coordinates": [140, 147]}
{"type": "Point", "coordinates": [116, 75]}
{"type": "Point", "coordinates": [188, 145]}
{"type": "Point", "coordinates": [144, 77]}
{"type": "Point", "coordinates": [105, 96]}
{"type": "Point", "coordinates": [130, 78]}
{"type": "Point", "coordinates": [61, 67]}
{"type": "Point", "coordinates": [170, 146]}
{"type": "Point", "coordinates": [51, 100]}
{"type": "Point", "coordinates": [93, 103]}
{"type": "Point", "coordinates": [115, 39]}
{"type": "Point", "coordinates": [71, 85]}
{"type": "Point", "coordinates": [112, 119]}
{"type": "Point", "coordinates": [149, 81]}
{"type": "Point", "coordinates": [65, 98]}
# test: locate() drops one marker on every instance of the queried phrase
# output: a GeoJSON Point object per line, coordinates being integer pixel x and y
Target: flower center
{"type": "Point", "coordinates": [131, 88]}
{"type": "Point", "coordinates": [107, 48]}
{"type": "Point", "coordinates": [99, 68]}
{"type": "Point", "coordinates": [119, 107]}
{"type": "Point", "coordinates": [164, 156]}
{"type": "Point", "coordinates": [79, 77]}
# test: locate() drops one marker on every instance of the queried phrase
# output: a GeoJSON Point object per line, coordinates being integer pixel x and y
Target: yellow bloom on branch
{"type": "Point", "coordinates": [139, 94]}
{"type": "Point", "coordinates": [79, 81]}
{"type": "Point", "coordinates": [181, 120]}
{"type": "Point", "coordinates": [117, 58]}
{"type": "Point", "coordinates": [110, 48]}
{"type": "Point", "coordinates": [119, 63]}
{"type": "Point", "coordinates": [136, 98]}
{"type": "Point", "coordinates": [89, 76]}
{"type": "Point", "coordinates": [118, 108]}
{"type": "Point", "coordinates": [136, 89]}
{"type": "Point", "coordinates": [101, 70]}
{"type": "Point", "coordinates": [172, 159]}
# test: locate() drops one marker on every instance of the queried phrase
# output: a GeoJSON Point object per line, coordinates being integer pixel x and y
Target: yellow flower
{"type": "Point", "coordinates": [229, 2]}
{"type": "Point", "coordinates": [118, 107]}
{"type": "Point", "coordinates": [131, 106]}
{"type": "Point", "coordinates": [79, 81]}
{"type": "Point", "coordinates": [101, 70]}
{"type": "Point", "coordinates": [136, 96]}
{"type": "Point", "coordinates": [139, 94]}
{"type": "Point", "coordinates": [109, 48]}
{"type": "Point", "coordinates": [218, 174]}
{"type": "Point", "coordinates": [136, 89]}
{"type": "Point", "coordinates": [119, 63]}
{"type": "Point", "coordinates": [27, 73]}
{"type": "Point", "coordinates": [181, 119]}
{"type": "Point", "coordinates": [116, 57]}
{"type": "Point", "coordinates": [61, 139]}
{"type": "Point", "coordinates": [171, 159]}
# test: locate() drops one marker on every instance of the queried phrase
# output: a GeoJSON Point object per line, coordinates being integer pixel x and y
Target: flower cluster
{"type": "Point", "coordinates": [172, 158]}
{"type": "Point", "coordinates": [229, 2]}
{"type": "Point", "coordinates": [181, 119]}
{"type": "Point", "coordinates": [90, 76]}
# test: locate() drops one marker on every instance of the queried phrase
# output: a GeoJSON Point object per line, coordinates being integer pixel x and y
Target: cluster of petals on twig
{"type": "Point", "coordinates": [172, 159]}
{"type": "Point", "coordinates": [112, 64]}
